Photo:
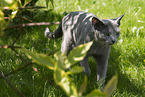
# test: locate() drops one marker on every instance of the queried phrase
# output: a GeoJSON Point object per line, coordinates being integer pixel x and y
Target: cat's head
{"type": "Point", "coordinates": [106, 30]}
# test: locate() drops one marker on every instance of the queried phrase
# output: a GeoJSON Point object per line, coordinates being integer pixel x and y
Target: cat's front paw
{"type": "Point", "coordinates": [87, 72]}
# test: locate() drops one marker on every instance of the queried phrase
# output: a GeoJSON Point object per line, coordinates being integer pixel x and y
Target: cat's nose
{"type": "Point", "coordinates": [113, 41]}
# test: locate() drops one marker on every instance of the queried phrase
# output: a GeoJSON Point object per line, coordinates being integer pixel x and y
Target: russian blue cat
{"type": "Point", "coordinates": [79, 28]}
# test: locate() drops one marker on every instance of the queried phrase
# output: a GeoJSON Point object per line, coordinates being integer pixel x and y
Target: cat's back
{"type": "Point", "coordinates": [78, 17]}
{"type": "Point", "coordinates": [78, 27]}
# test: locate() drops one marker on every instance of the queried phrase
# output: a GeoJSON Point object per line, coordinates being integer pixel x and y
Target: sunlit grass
{"type": "Point", "coordinates": [127, 57]}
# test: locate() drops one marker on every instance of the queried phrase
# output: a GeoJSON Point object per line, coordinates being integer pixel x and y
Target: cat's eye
{"type": "Point", "coordinates": [107, 34]}
{"type": "Point", "coordinates": [117, 33]}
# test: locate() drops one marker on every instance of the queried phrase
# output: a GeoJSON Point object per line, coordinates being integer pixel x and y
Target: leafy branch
{"type": "Point", "coordinates": [61, 76]}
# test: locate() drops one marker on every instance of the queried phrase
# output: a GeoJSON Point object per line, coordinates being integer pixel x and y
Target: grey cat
{"type": "Point", "coordinates": [81, 27]}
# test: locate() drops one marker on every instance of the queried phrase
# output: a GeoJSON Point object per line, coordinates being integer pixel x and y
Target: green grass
{"type": "Point", "coordinates": [127, 57]}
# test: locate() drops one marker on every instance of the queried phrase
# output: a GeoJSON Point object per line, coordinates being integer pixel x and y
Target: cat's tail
{"type": "Point", "coordinates": [54, 35]}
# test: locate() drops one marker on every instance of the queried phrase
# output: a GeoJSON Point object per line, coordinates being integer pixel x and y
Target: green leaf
{"type": "Point", "coordinates": [63, 80]}
{"type": "Point", "coordinates": [78, 53]}
{"type": "Point", "coordinates": [111, 85]}
{"type": "Point", "coordinates": [1, 15]}
{"type": "Point", "coordinates": [96, 93]}
{"type": "Point", "coordinates": [60, 57]}
{"type": "Point", "coordinates": [83, 86]}
{"type": "Point", "coordinates": [11, 4]}
{"type": "Point", "coordinates": [26, 2]}
{"type": "Point", "coordinates": [2, 23]}
{"type": "Point", "coordinates": [13, 14]}
{"type": "Point", "coordinates": [76, 69]}
{"type": "Point", "coordinates": [41, 59]}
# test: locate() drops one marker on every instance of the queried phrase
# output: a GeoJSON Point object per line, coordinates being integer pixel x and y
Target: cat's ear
{"type": "Point", "coordinates": [96, 22]}
{"type": "Point", "coordinates": [118, 19]}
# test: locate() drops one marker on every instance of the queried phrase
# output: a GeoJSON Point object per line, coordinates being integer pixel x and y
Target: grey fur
{"type": "Point", "coordinates": [81, 27]}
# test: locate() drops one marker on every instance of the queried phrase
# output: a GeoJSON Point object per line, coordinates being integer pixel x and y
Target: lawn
{"type": "Point", "coordinates": [127, 57]}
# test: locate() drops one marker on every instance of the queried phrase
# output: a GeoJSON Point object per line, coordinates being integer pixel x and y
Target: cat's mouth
{"type": "Point", "coordinates": [110, 42]}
